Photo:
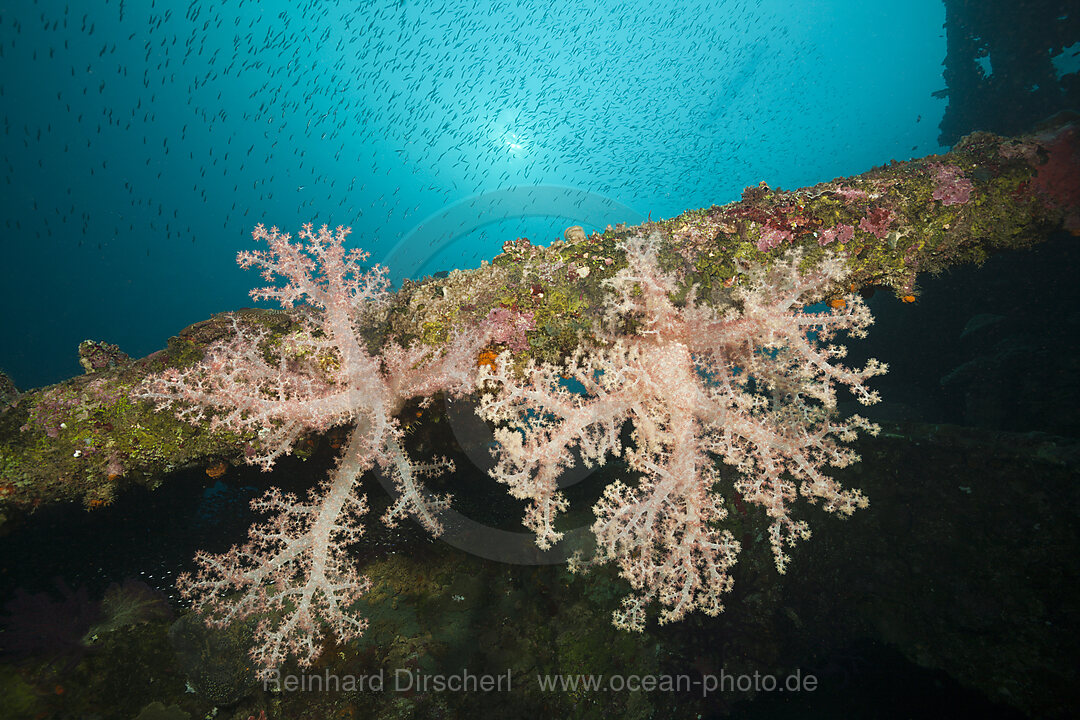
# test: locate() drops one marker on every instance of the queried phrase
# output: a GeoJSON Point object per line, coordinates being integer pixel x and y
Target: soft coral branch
{"type": "Point", "coordinates": [294, 569]}
{"type": "Point", "coordinates": [751, 383]}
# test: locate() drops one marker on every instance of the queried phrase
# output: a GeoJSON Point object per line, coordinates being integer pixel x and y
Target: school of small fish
{"type": "Point", "coordinates": [167, 129]}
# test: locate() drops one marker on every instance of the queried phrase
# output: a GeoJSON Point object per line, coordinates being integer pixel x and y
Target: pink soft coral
{"type": "Point", "coordinates": [751, 384]}
{"type": "Point", "coordinates": [294, 569]}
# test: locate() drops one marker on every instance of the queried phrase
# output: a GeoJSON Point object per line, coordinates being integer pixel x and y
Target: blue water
{"type": "Point", "coordinates": [144, 140]}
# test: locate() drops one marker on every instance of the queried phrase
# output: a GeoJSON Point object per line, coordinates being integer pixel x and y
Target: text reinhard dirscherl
{"type": "Point", "coordinates": [401, 680]}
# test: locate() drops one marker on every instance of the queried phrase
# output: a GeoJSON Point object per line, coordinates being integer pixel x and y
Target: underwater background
{"type": "Point", "coordinates": [143, 141]}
